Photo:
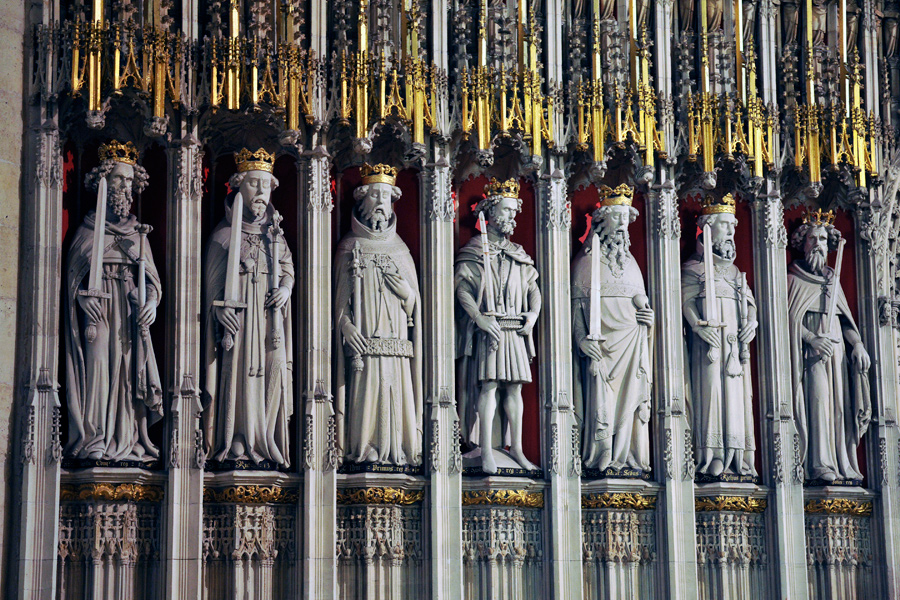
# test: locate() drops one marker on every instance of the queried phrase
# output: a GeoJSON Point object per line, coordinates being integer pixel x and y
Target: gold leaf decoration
{"type": "Point", "coordinates": [618, 500]}
{"type": "Point", "coordinates": [733, 503]}
{"type": "Point", "coordinates": [840, 506]}
{"type": "Point", "coordinates": [519, 498]}
{"type": "Point", "coordinates": [251, 494]}
{"type": "Point", "coordinates": [379, 495]}
{"type": "Point", "coordinates": [133, 492]}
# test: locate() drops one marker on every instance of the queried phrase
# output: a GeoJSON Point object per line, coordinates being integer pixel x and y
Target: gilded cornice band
{"type": "Point", "coordinates": [379, 495]}
{"type": "Point", "coordinates": [623, 500]}
{"type": "Point", "coordinates": [519, 498]}
{"type": "Point", "coordinates": [840, 506]}
{"type": "Point", "coordinates": [251, 494]}
{"type": "Point", "coordinates": [730, 503]}
{"type": "Point", "coordinates": [133, 492]}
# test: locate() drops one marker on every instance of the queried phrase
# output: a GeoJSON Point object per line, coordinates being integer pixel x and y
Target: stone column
{"type": "Point", "coordinates": [874, 288]}
{"type": "Point", "coordinates": [37, 414]}
{"type": "Point", "coordinates": [316, 421]}
{"type": "Point", "coordinates": [183, 503]}
{"type": "Point", "coordinates": [443, 459]}
{"type": "Point", "coordinates": [782, 470]}
{"type": "Point", "coordinates": [673, 446]}
{"type": "Point", "coordinates": [561, 456]}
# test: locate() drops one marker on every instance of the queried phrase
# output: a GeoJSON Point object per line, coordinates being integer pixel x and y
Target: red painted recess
{"type": "Point", "coordinates": [468, 193]}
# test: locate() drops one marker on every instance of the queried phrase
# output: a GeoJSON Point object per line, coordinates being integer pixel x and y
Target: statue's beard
{"type": "Point", "coordinates": [258, 208]}
{"type": "Point", "coordinates": [377, 219]}
{"type": "Point", "coordinates": [615, 246]}
{"type": "Point", "coordinates": [815, 258]}
{"type": "Point", "coordinates": [725, 249]}
{"type": "Point", "coordinates": [120, 202]}
{"type": "Point", "coordinates": [504, 226]}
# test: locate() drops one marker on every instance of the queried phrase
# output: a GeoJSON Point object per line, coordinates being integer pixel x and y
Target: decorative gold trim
{"type": "Point", "coordinates": [840, 506]}
{"type": "Point", "coordinates": [133, 492]}
{"type": "Point", "coordinates": [734, 503]}
{"type": "Point", "coordinates": [504, 498]}
{"type": "Point", "coordinates": [252, 494]}
{"type": "Point", "coordinates": [254, 161]}
{"type": "Point", "coordinates": [619, 500]}
{"type": "Point", "coordinates": [379, 495]}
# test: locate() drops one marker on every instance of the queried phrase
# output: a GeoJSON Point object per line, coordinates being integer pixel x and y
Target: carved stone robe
{"type": "Point", "coordinates": [517, 292]}
{"type": "Point", "coordinates": [721, 392]}
{"type": "Point", "coordinates": [616, 402]}
{"type": "Point", "coordinates": [832, 406]}
{"type": "Point", "coordinates": [249, 389]}
{"type": "Point", "coordinates": [380, 407]}
{"type": "Point", "coordinates": [112, 384]}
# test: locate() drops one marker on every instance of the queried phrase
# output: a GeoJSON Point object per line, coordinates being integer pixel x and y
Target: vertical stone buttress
{"type": "Point", "coordinates": [37, 405]}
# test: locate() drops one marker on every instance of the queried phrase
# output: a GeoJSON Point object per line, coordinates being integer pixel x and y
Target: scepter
{"type": "Point", "coordinates": [356, 268]}
{"type": "Point", "coordinates": [275, 232]}
{"type": "Point", "coordinates": [95, 278]}
{"type": "Point", "coordinates": [143, 230]}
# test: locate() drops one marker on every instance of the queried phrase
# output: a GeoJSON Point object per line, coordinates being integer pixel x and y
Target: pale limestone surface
{"type": "Point", "coordinates": [12, 29]}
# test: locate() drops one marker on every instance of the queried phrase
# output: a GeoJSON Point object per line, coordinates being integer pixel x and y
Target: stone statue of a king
{"type": "Point", "coordinates": [612, 328]}
{"type": "Point", "coordinates": [379, 327]}
{"type": "Point", "coordinates": [113, 288]}
{"type": "Point", "coordinates": [249, 275]}
{"type": "Point", "coordinates": [495, 318]}
{"type": "Point", "coordinates": [832, 407]}
{"type": "Point", "coordinates": [720, 310]}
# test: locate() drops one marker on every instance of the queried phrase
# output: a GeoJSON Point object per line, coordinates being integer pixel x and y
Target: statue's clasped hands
{"type": "Point", "coordinates": [354, 338]}
{"type": "Point", "coordinates": [748, 332]}
{"type": "Point", "coordinates": [92, 307]}
{"type": "Point", "coordinates": [278, 297]}
{"type": "Point", "coordinates": [227, 316]}
{"type": "Point", "coordinates": [489, 325]}
{"type": "Point", "coordinates": [530, 320]}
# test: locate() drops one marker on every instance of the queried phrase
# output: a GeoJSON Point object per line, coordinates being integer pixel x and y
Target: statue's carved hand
{"type": "Point", "coordinates": [592, 349]}
{"type": "Point", "coordinates": [861, 358]}
{"type": "Point", "coordinates": [398, 285]}
{"type": "Point", "coordinates": [644, 316]}
{"type": "Point", "coordinates": [530, 320]}
{"type": "Point", "coordinates": [823, 346]}
{"type": "Point", "coordinates": [708, 334]}
{"type": "Point", "coordinates": [228, 318]}
{"type": "Point", "coordinates": [147, 316]}
{"type": "Point", "coordinates": [748, 332]}
{"type": "Point", "coordinates": [489, 325]}
{"type": "Point", "coordinates": [354, 338]}
{"type": "Point", "coordinates": [278, 297]}
{"type": "Point", "coordinates": [92, 307]}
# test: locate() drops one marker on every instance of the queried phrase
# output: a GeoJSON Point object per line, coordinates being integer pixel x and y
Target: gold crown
{"type": "Point", "coordinates": [504, 189]}
{"type": "Point", "coordinates": [711, 206]}
{"type": "Point", "coordinates": [378, 174]}
{"type": "Point", "coordinates": [818, 218]}
{"type": "Point", "coordinates": [254, 161]}
{"type": "Point", "coordinates": [619, 196]}
{"type": "Point", "coordinates": [125, 153]}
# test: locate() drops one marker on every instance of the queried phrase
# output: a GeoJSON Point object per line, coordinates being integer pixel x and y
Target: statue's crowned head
{"type": "Point", "coordinates": [816, 237]}
{"type": "Point", "coordinates": [719, 214]}
{"type": "Point", "coordinates": [500, 205]}
{"type": "Point", "coordinates": [255, 181]}
{"type": "Point", "coordinates": [124, 176]}
{"type": "Point", "coordinates": [615, 212]}
{"type": "Point", "coordinates": [375, 197]}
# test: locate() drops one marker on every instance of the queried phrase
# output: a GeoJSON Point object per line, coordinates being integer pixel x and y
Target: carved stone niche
{"type": "Point", "coordinates": [839, 552]}
{"type": "Point", "coordinates": [109, 539]}
{"type": "Point", "coordinates": [502, 538]}
{"type": "Point", "coordinates": [619, 539]}
{"type": "Point", "coordinates": [731, 547]}
{"type": "Point", "coordinates": [381, 548]}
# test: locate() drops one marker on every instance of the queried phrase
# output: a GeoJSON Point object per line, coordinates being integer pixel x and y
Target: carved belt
{"type": "Point", "coordinates": [385, 347]}
{"type": "Point", "coordinates": [511, 323]}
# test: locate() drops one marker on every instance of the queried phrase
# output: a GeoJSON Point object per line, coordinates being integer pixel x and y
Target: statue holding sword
{"type": "Point", "coordinates": [829, 363]}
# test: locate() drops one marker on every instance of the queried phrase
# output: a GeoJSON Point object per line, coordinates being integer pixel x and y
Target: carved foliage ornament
{"type": "Point", "coordinates": [134, 492]}
{"type": "Point", "coordinates": [251, 494]}
{"type": "Point", "coordinates": [620, 501]}
{"type": "Point", "coordinates": [378, 495]}
{"type": "Point", "coordinates": [840, 506]}
{"type": "Point", "coordinates": [519, 498]}
{"type": "Point", "coordinates": [730, 503]}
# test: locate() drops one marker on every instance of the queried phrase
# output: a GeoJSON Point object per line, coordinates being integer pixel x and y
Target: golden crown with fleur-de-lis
{"type": "Point", "coordinates": [621, 195]}
{"type": "Point", "coordinates": [819, 218]}
{"type": "Point", "coordinates": [712, 206]}
{"type": "Point", "coordinates": [254, 161]}
{"type": "Point", "coordinates": [113, 150]}
{"type": "Point", "coordinates": [502, 189]}
{"type": "Point", "coordinates": [378, 174]}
